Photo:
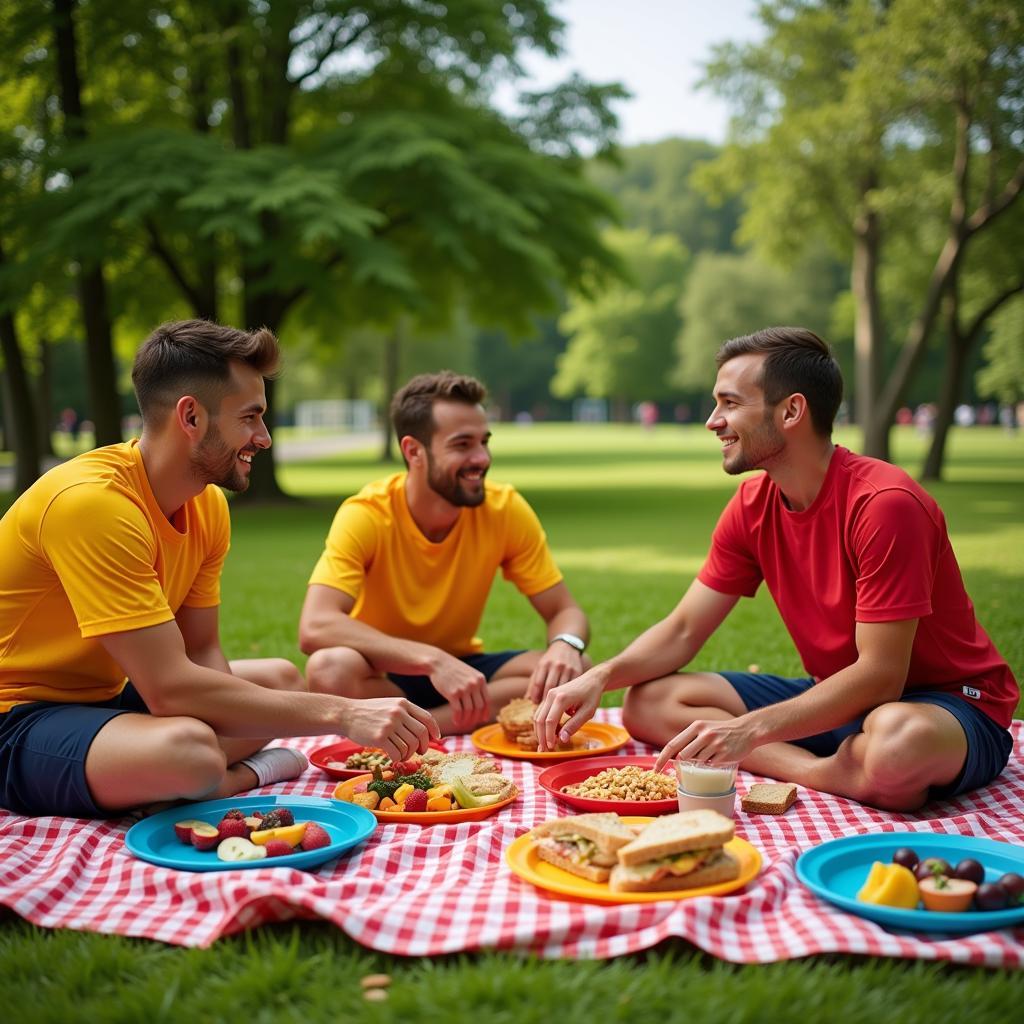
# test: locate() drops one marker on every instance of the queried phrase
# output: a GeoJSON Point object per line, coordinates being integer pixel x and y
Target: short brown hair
{"type": "Point", "coordinates": [797, 360]}
{"type": "Point", "coordinates": [412, 408]}
{"type": "Point", "coordinates": [194, 357]}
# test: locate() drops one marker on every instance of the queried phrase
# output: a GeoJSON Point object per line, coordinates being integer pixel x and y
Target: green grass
{"type": "Point", "coordinates": [629, 514]}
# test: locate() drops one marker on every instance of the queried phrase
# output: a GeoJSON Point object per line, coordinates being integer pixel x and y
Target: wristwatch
{"type": "Point", "coordinates": [572, 640]}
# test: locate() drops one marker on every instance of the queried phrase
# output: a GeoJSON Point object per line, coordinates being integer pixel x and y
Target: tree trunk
{"type": "Point", "coordinates": [392, 357]}
{"type": "Point", "coordinates": [18, 402]}
{"type": "Point", "coordinates": [44, 400]}
{"type": "Point", "coordinates": [949, 396]}
{"type": "Point", "coordinates": [101, 375]}
{"type": "Point", "coordinates": [869, 342]}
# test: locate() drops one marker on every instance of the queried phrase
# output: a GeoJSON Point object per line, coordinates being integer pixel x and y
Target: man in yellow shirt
{"type": "Point", "coordinates": [395, 601]}
{"type": "Point", "coordinates": [111, 571]}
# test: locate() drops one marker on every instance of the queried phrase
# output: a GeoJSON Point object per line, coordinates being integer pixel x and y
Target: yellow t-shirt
{"type": "Point", "coordinates": [87, 552]}
{"type": "Point", "coordinates": [410, 587]}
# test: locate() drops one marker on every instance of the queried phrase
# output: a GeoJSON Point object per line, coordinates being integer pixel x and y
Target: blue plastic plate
{"type": "Point", "coordinates": [836, 870]}
{"type": "Point", "coordinates": [153, 839]}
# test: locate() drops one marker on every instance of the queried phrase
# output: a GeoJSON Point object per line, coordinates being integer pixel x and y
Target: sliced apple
{"type": "Point", "coordinates": [238, 849]}
{"type": "Point", "coordinates": [252, 822]}
{"type": "Point", "coordinates": [291, 834]}
{"type": "Point", "coordinates": [183, 829]}
{"type": "Point", "coordinates": [204, 835]}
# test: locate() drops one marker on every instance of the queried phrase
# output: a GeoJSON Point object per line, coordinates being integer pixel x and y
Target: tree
{"type": "Point", "coordinates": [325, 152]}
{"type": "Point", "coordinates": [620, 340]}
{"type": "Point", "coordinates": [921, 85]}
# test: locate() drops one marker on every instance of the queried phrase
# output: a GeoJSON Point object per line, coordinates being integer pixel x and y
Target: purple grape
{"type": "Point", "coordinates": [1014, 885]}
{"type": "Point", "coordinates": [905, 856]}
{"type": "Point", "coordinates": [971, 870]}
{"type": "Point", "coordinates": [932, 866]}
{"type": "Point", "coordinates": [991, 896]}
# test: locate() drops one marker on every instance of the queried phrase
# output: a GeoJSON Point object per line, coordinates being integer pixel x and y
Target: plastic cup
{"type": "Point", "coordinates": [699, 778]}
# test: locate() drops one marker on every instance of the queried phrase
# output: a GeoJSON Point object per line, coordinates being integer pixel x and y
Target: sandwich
{"type": "Point", "coordinates": [677, 851]}
{"type": "Point", "coordinates": [584, 844]}
{"type": "Point", "coordinates": [516, 721]}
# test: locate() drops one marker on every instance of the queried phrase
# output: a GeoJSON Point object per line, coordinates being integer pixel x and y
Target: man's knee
{"type": "Point", "coordinates": [903, 755]}
{"type": "Point", "coordinates": [642, 704]}
{"type": "Point", "coordinates": [286, 676]}
{"type": "Point", "coordinates": [336, 670]}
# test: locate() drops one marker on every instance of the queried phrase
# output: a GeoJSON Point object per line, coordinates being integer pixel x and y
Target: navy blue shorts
{"type": "Point", "coordinates": [43, 746]}
{"type": "Point", "coordinates": [420, 690]}
{"type": "Point", "coordinates": [988, 745]}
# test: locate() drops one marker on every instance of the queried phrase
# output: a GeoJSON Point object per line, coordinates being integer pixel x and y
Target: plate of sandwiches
{"type": "Point", "coordinates": [625, 785]}
{"type": "Point", "coordinates": [611, 859]}
{"type": "Point", "coordinates": [513, 735]}
{"type": "Point", "coordinates": [347, 759]}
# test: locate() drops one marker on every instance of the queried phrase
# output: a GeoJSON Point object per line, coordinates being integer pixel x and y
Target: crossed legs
{"type": "Point", "coordinates": [902, 750]}
{"type": "Point", "coordinates": [346, 673]}
{"type": "Point", "coordinates": [137, 759]}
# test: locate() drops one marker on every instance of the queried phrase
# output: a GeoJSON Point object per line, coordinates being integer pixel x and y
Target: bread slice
{"type": "Point", "coordinates": [678, 833]}
{"type": "Point", "coordinates": [606, 830]}
{"type": "Point", "coordinates": [769, 798]}
{"type": "Point", "coordinates": [592, 872]}
{"type": "Point", "coordinates": [722, 867]}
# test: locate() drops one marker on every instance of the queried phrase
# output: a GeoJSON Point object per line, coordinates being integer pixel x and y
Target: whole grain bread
{"type": "Point", "coordinates": [769, 798]}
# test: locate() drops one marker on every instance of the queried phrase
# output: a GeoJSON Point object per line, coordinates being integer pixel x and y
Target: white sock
{"type": "Point", "coordinates": [278, 764]}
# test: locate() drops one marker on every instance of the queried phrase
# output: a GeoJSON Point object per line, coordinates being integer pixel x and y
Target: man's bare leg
{"type": "Point", "coordinates": [902, 751]}
{"type": "Point", "coordinates": [138, 760]}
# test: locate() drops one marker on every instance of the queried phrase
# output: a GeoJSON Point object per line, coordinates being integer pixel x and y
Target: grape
{"type": "Point", "coordinates": [991, 896]}
{"type": "Point", "coordinates": [905, 856]}
{"type": "Point", "coordinates": [971, 870]}
{"type": "Point", "coordinates": [1013, 884]}
{"type": "Point", "coordinates": [931, 866]}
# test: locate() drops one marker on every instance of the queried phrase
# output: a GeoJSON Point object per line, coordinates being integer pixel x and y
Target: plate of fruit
{"type": "Point", "coordinates": [920, 881]}
{"type": "Point", "coordinates": [443, 788]}
{"type": "Point", "coordinates": [347, 759]}
{"type": "Point", "coordinates": [250, 832]}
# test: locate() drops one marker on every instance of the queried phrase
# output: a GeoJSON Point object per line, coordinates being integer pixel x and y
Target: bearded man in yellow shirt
{"type": "Point", "coordinates": [395, 601]}
{"type": "Point", "coordinates": [111, 572]}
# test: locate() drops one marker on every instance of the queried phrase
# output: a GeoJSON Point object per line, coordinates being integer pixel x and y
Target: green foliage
{"type": "Point", "coordinates": [652, 184]}
{"type": "Point", "coordinates": [620, 340]}
{"type": "Point", "coordinates": [1002, 377]}
{"type": "Point", "coordinates": [727, 295]}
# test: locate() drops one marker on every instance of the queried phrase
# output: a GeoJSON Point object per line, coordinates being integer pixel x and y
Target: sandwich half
{"type": "Point", "coordinates": [677, 851]}
{"type": "Point", "coordinates": [583, 844]}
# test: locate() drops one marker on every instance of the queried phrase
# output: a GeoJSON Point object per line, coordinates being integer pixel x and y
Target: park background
{"type": "Point", "coordinates": [383, 185]}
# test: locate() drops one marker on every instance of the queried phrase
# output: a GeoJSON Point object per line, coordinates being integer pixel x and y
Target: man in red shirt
{"type": "Point", "coordinates": [906, 699]}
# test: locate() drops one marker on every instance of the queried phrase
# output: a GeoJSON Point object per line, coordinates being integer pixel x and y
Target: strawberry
{"type": "Point", "coordinates": [278, 848]}
{"type": "Point", "coordinates": [230, 826]}
{"type": "Point", "coordinates": [286, 816]}
{"type": "Point", "coordinates": [315, 837]}
{"type": "Point", "coordinates": [235, 813]}
{"type": "Point", "coordinates": [416, 800]}
{"type": "Point", "coordinates": [405, 768]}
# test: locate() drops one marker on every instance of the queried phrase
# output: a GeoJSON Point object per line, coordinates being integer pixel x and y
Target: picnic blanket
{"type": "Point", "coordinates": [415, 890]}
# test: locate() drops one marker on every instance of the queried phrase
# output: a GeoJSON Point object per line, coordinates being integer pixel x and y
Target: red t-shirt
{"type": "Point", "coordinates": [872, 547]}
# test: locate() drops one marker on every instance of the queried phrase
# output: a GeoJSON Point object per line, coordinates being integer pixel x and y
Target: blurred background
{"type": "Point", "coordinates": [577, 201]}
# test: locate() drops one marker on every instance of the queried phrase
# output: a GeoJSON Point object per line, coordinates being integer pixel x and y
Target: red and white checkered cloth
{"type": "Point", "coordinates": [416, 890]}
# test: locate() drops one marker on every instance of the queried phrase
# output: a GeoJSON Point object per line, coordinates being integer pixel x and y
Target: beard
{"type": "Point", "coordinates": [214, 462]}
{"type": "Point", "coordinates": [759, 446]}
{"type": "Point", "coordinates": [451, 488]}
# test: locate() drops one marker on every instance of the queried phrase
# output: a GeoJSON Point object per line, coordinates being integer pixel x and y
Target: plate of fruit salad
{"type": "Point", "coordinates": [443, 788]}
{"type": "Point", "coordinates": [347, 759]}
{"type": "Point", "coordinates": [920, 881]}
{"type": "Point", "coordinates": [250, 832]}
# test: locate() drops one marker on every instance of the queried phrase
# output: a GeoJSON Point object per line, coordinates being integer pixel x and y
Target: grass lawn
{"type": "Point", "coordinates": [628, 513]}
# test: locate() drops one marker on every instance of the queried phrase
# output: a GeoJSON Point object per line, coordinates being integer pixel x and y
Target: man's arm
{"type": "Point", "coordinates": [561, 661]}
{"type": "Point", "coordinates": [172, 684]}
{"type": "Point", "coordinates": [877, 676]}
{"type": "Point", "coordinates": [326, 621]}
{"type": "Point", "coordinates": [665, 648]}
{"type": "Point", "coordinates": [200, 633]}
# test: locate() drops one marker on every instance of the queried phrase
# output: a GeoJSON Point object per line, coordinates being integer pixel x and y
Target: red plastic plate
{"type": "Point", "coordinates": [554, 778]}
